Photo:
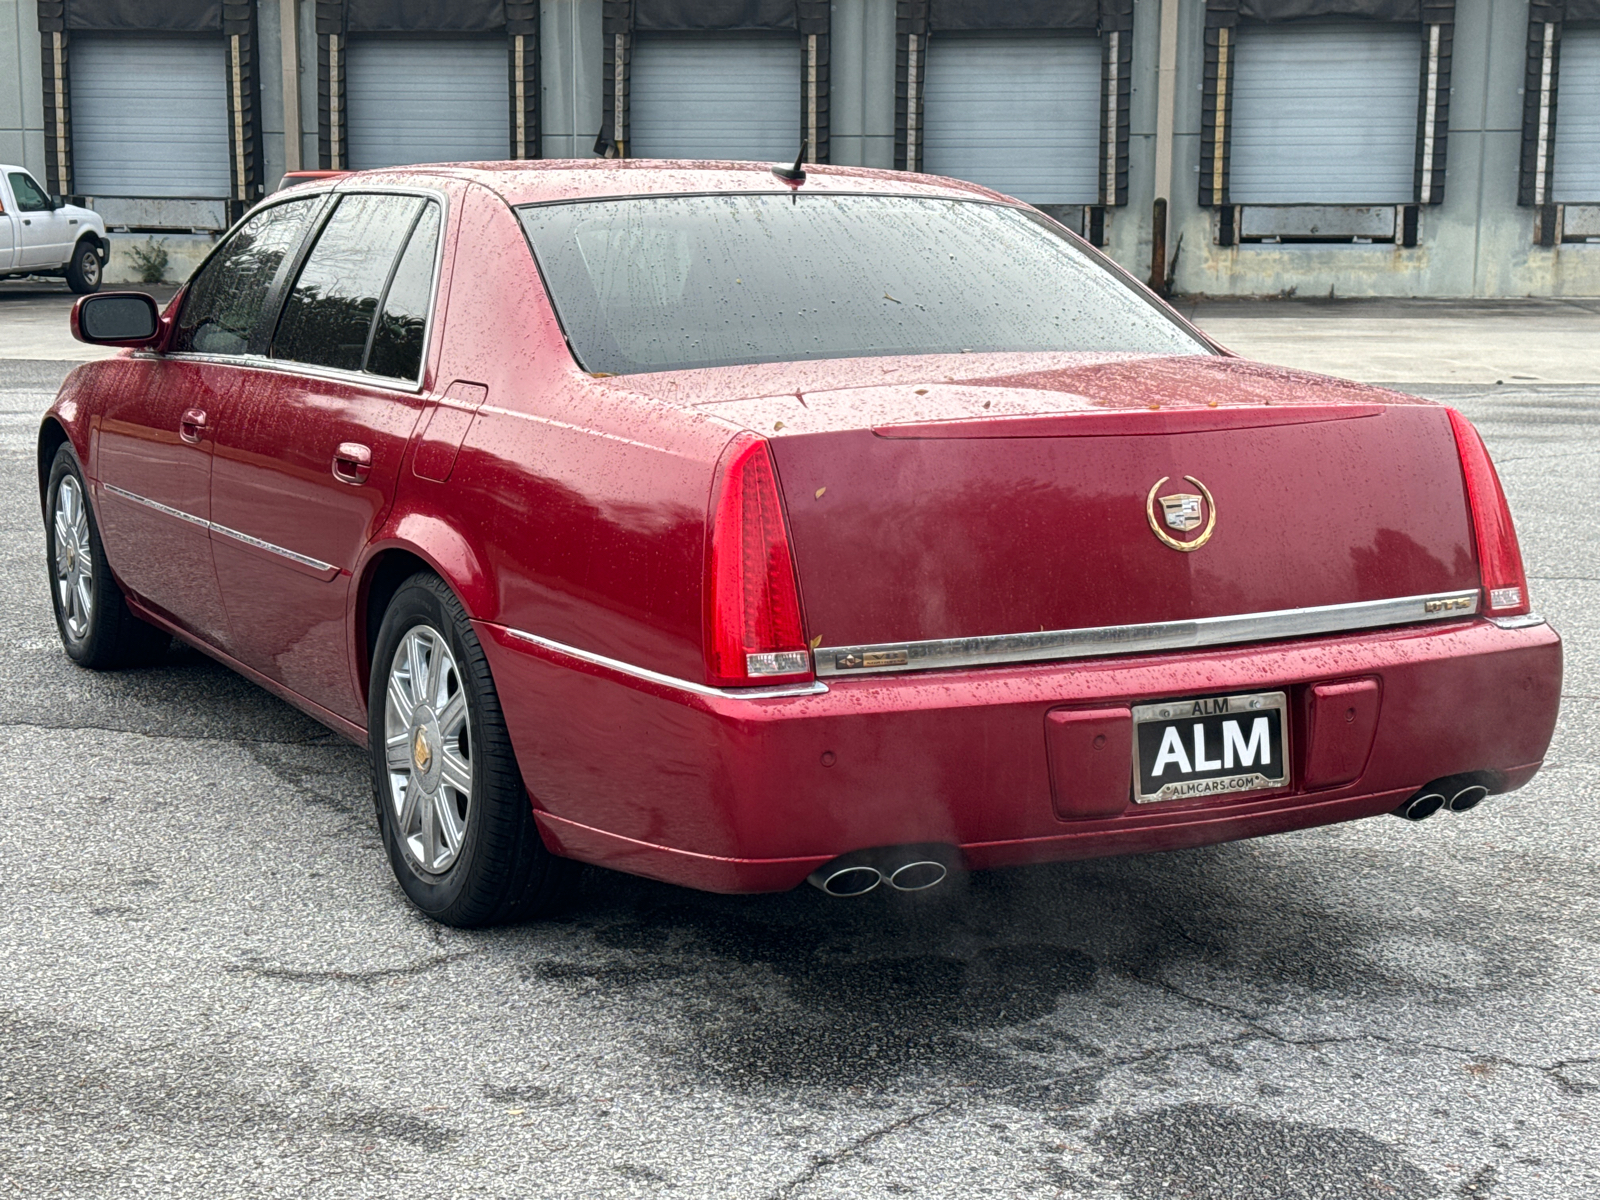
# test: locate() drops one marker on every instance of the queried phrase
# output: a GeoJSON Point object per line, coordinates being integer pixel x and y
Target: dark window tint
{"type": "Point", "coordinates": [665, 282]}
{"type": "Point", "coordinates": [397, 341]}
{"type": "Point", "coordinates": [30, 196]}
{"type": "Point", "coordinates": [224, 300]}
{"type": "Point", "coordinates": [328, 316]}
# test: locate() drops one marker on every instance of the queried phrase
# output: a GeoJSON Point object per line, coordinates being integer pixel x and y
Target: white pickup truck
{"type": "Point", "coordinates": [42, 235]}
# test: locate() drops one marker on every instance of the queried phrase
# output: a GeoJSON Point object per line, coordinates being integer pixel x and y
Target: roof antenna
{"type": "Point", "coordinates": [795, 174]}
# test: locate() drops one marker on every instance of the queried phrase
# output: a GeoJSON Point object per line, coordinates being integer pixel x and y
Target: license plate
{"type": "Point", "coordinates": [1209, 746]}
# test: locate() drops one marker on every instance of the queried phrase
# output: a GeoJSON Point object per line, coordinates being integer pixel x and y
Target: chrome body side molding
{"type": "Point", "coordinates": [304, 560]}
{"type": "Point", "coordinates": [1142, 639]}
{"type": "Point", "coordinates": [781, 691]}
{"type": "Point", "coordinates": [157, 505]}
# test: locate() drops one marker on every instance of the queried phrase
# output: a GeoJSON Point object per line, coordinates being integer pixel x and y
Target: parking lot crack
{"type": "Point", "coordinates": [336, 975]}
{"type": "Point", "coordinates": [821, 1163]}
{"type": "Point", "coordinates": [328, 739]}
{"type": "Point", "coordinates": [1554, 1071]}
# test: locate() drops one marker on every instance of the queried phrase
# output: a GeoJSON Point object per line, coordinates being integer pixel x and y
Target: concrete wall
{"type": "Point", "coordinates": [21, 98]}
{"type": "Point", "coordinates": [1477, 243]}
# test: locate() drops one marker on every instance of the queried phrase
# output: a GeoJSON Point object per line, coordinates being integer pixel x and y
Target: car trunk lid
{"type": "Point", "coordinates": [1000, 508]}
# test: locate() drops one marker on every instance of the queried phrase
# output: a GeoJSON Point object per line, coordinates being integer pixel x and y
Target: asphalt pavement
{"type": "Point", "coordinates": [210, 985]}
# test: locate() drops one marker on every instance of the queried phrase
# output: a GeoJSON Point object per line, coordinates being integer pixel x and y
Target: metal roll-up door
{"type": "Point", "coordinates": [427, 100]}
{"type": "Point", "coordinates": [149, 115]}
{"type": "Point", "coordinates": [1019, 113]}
{"type": "Point", "coordinates": [1325, 114]}
{"type": "Point", "coordinates": [733, 96]}
{"type": "Point", "coordinates": [1576, 174]}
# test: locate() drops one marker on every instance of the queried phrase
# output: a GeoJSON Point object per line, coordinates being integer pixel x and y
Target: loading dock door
{"type": "Point", "coordinates": [1019, 113]}
{"type": "Point", "coordinates": [703, 95]}
{"type": "Point", "coordinates": [1576, 177]}
{"type": "Point", "coordinates": [149, 116]}
{"type": "Point", "coordinates": [1325, 114]}
{"type": "Point", "coordinates": [427, 100]}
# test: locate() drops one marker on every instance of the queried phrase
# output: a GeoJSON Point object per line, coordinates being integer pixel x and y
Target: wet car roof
{"type": "Point", "coordinates": [579, 179]}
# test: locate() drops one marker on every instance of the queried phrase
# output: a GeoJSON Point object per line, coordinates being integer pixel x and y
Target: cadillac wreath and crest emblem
{"type": "Point", "coordinates": [1183, 512]}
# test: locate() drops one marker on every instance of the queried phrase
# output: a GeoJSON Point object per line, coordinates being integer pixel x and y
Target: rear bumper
{"type": "Point", "coordinates": [744, 795]}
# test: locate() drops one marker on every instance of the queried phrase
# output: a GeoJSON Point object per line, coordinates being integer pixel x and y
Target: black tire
{"type": "Point", "coordinates": [107, 635]}
{"type": "Point", "coordinates": [83, 270]}
{"type": "Point", "coordinates": [501, 871]}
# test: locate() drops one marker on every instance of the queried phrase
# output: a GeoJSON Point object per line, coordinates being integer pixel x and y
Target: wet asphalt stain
{"type": "Point", "coordinates": [1209, 1152]}
{"type": "Point", "coordinates": [131, 1090]}
{"type": "Point", "coordinates": [776, 997]}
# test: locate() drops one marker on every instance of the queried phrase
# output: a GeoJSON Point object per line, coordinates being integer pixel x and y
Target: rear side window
{"type": "Point", "coordinates": [330, 317]}
{"type": "Point", "coordinates": [224, 301]}
{"type": "Point", "coordinates": [397, 341]}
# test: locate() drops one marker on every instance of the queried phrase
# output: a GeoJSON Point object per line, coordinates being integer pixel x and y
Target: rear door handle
{"type": "Point", "coordinates": [192, 426]}
{"type": "Point", "coordinates": [352, 463]}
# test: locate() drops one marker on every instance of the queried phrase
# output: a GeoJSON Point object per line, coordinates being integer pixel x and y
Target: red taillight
{"type": "Point", "coordinates": [1505, 586]}
{"type": "Point", "coordinates": [753, 632]}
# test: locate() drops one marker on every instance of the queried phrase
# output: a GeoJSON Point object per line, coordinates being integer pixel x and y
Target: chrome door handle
{"type": "Point", "coordinates": [352, 463]}
{"type": "Point", "coordinates": [192, 426]}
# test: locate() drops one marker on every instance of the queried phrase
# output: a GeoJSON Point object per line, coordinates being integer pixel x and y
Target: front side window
{"type": "Point", "coordinates": [330, 317]}
{"type": "Point", "coordinates": [224, 302]}
{"type": "Point", "coordinates": [30, 196]}
{"type": "Point", "coordinates": [670, 282]}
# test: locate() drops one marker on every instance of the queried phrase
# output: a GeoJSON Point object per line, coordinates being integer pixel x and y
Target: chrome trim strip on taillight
{"type": "Point", "coordinates": [776, 692]}
{"type": "Point", "coordinates": [1141, 639]}
{"type": "Point", "coordinates": [1524, 621]}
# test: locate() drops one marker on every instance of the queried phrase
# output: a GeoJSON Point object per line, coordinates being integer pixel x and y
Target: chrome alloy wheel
{"type": "Point", "coordinates": [427, 750]}
{"type": "Point", "coordinates": [74, 559]}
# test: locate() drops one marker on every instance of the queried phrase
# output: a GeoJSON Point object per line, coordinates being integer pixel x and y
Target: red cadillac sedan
{"type": "Point", "coordinates": [736, 529]}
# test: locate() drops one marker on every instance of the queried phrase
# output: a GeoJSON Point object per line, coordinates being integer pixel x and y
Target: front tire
{"type": "Point", "coordinates": [83, 271]}
{"type": "Point", "coordinates": [97, 629]}
{"type": "Point", "coordinates": [456, 821]}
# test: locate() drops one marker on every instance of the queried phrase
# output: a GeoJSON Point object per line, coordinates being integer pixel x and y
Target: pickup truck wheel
{"type": "Point", "coordinates": [97, 630]}
{"type": "Point", "coordinates": [83, 271]}
{"type": "Point", "coordinates": [456, 820]}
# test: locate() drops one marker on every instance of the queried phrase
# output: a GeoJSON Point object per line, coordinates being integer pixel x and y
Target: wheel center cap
{"type": "Point", "coordinates": [421, 752]}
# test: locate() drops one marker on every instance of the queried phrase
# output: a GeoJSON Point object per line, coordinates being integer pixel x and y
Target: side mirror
{"type": "Point", "coordinates": [57, 202]}
{"type": "Point", "coordinates": [116, 319]}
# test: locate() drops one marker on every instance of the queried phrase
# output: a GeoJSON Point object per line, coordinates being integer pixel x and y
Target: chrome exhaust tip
{"type": "Point", "coordinates": [918, 875]}
{"type": "Point", "coordinates": [845, 878]}
{"type": "Point", "coordinates": [1421, 806]}
{"type": "Point", "coordinates": [1467, 797]}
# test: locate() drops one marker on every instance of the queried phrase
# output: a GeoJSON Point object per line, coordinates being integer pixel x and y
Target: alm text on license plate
{"type": "Point", "coordinates": [1209, 746]}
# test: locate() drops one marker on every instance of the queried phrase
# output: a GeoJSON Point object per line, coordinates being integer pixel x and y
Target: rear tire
{"type": "Point", "coordinates": [83, 271]}
{"type": "Point", "coordinates": [97, 629]}
{"type": "Point", "coordinates": [455, 818]}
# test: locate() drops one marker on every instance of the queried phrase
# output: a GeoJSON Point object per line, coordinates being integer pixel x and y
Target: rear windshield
{"type": "Point", "coordinates": [668, 282]}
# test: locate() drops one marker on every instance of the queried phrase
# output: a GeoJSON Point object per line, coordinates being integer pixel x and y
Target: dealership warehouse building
{"type": "Point", "coordinates": [1230, 147]}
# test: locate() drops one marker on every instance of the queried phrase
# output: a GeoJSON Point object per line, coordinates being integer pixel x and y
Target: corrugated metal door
{"type": "Point", "coordinates": [149, 115]}
{"type": "Point", "coordinates": [1577, 150]}
{"type": "Point", "coordinates": [1325, 114]}
{"type": "Point", "coordinates": [427, 100]}
{"type": "Point", "coordinates": [1019, 113]}
{"type": "Point", "coordinates": [715, 96]}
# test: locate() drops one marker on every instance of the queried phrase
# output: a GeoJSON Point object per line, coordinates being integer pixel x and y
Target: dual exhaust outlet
{"type": "Point", "coordinates": [903, 868]}
{"type": "Point", "coordinates": [1458, 793]}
